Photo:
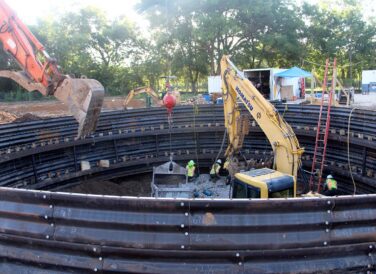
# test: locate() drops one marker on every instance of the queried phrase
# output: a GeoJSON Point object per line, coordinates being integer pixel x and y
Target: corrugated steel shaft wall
{"type": "Point", "coordinates": [44, 154]}
{"type": "Point", "coordinates": [46, 232]}
{"type": "Point", "coordinates": [42, 231]}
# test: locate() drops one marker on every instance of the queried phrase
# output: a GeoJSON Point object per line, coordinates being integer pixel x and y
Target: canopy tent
{"type": "Point", "coordinates": [293, 72]}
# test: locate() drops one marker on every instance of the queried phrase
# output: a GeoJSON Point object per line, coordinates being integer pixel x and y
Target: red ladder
{"type": "Point", "coordinates": [322, 133]}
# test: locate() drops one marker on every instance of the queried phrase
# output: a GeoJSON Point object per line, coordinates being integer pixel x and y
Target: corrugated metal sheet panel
{"type": "Point", "coordinates": [144, 235]}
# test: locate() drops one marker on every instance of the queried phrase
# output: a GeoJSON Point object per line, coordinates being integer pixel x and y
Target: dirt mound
{"type": "Point", "coordinates": [27, 117]}
{"type": "Point", "coordinates": [7, 117]}
{"type": "Point", "coordinates": [136, 185]}
{"type": "Point", "coordinates": [97, 187]}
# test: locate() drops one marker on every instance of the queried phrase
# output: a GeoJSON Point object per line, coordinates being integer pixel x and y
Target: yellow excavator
{"type": "Point", "coordinates": [140, 90]}
{"type": "Point", "coordinates": [264, 182]}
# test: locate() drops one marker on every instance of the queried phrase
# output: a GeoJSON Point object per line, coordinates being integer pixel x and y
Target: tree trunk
{"type": "Point", "coordinates": [193, 87]}
{"type": "Point", "coordinates": [212, 63]}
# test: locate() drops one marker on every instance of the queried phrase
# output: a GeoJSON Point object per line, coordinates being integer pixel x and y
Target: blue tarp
{"type": "Point", "coordinates": [293, 72]}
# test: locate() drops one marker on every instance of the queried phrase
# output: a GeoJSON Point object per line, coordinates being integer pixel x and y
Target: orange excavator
{"type": "Point", "coordinates": [140, 90]}
{"type": "Point", "coordinates": [84, 97]}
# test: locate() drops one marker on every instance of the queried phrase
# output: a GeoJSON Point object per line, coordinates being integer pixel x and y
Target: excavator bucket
{"type": "Point", "coordinates": [84, 98]}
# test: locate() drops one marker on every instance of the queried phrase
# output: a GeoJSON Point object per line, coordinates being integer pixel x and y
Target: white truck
{"type": "Point", "coordinates": [368, 81]}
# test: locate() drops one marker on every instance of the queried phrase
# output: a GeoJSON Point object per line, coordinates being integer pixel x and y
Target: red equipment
{"type": "Point", "coordinates": [302, 88]}
{"type": "Point", "coordinates": [323, 126]}
{"type": "Point", "coordinates": [84, 97]}
{"type": "Point", "coordinates": [169, 101]}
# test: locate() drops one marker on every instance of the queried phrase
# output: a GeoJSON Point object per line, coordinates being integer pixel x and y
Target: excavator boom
{"type": "Point", "coordinates": [84, 97]}
{"type": "Point", "coordinates": [287, 152]}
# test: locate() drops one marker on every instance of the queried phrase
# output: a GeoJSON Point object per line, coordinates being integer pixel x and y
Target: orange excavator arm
{"type": "Point", "coordinates": [84, 97]}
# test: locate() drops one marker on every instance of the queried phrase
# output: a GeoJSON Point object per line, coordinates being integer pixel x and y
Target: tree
{"type": "Point", "coordinates": [188, 38]}
{"type": "Point", "coordinates": [87, 43]}
{"type": "Point", "coordinates": [178, 38]}
{"type": "Point", "coordinates": [272, 32]}
{"type": "Point", "coordinates": [338, 30]}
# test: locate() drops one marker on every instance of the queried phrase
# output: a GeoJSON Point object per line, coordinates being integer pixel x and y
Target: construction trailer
{"type": "Point", "coordinates": [368, 81]}
{"type": "Point", "coordinates": [271, 87]}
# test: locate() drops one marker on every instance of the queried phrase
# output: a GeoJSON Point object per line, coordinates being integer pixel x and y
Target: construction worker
{"type": "Point", "coordinates": [225, 168]}
{"type": "Point", "coordinates": [214, 171]}
{"type": "Point", "coordinates": [191, 170]}
{"type": "Point", "coordinates": [330, 186]}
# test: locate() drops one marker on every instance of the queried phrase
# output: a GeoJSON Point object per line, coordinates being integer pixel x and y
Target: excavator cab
{"type": "Point", "coordinates": [263, 183]}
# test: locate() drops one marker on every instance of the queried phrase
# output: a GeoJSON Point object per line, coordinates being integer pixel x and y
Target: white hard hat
{"type": "Point", "coordinates": [219, 161]}
{"type": "Point", "coordinates": [329, 177]}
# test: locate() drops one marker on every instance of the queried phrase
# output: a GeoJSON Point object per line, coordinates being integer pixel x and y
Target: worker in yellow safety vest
{"type": "Point", "coordinates": [214, 171]}
{"type": "Point", "coordinates": [330, 187]}
{"type": "Point", "coordinates": [225, 168]}
{"type": "Point", "coordinates": [226, 164]}
{"type": "Point", "coordinates": [191, 169]}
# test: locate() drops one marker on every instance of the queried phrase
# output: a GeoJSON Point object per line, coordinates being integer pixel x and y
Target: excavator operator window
{"type": "Point", "coordinates": [253, 192]}
{"type": "Point", "coordinates": [241, 191]}
{"type": "Point", "coordinates": [286, 193]}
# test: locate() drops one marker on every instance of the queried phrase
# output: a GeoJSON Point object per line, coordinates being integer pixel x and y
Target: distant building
{"type": "Point", "coordinates": [214, 84]}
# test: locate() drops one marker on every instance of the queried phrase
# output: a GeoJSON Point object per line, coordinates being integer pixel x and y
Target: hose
{"type": "Point", "coordinates": [223, 142]}
{"type": "Point", "coordinates": [348, 150]}
{"type": "Point", "coordinates": [195, 111]}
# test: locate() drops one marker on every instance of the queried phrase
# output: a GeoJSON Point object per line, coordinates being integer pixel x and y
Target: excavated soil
{"type": "Point", "coordinates": [136, 185]}
{"type": "Point", "coordinates": [6, 117]}
{"type": "Point", "coordinates": [27, 117]}
{"type": "Point", "coordinates": [11, 111]}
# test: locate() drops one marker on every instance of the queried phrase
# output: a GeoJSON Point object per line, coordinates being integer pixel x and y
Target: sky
{"type": "Point", "coordinates": [30, 10]}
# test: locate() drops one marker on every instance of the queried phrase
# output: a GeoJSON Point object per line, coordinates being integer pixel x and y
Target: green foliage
{"type": "Point", "coordinates": [338, 30]}
{"type": "Point", "coordinates": [20, 95]}
{"type": "Point", "coordinates": [188, 38]}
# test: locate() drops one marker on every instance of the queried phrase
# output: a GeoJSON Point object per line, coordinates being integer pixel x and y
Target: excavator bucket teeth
{"type": "Point", "coordinates": [84, 98]}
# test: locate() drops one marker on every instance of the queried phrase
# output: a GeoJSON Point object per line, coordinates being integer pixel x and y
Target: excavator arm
{"type": "Point", "coordinates": [287, 152]}
{"type": "Point", "coordinates": [84, 97]}
{"type": "Point", "coordinates": [147, 90]}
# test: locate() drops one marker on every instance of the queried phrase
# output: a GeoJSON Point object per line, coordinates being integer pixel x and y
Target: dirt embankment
{"type": "Point", "coordinates": [6, 117]}
{"type": "Point", "coordinates": [26, 111]}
